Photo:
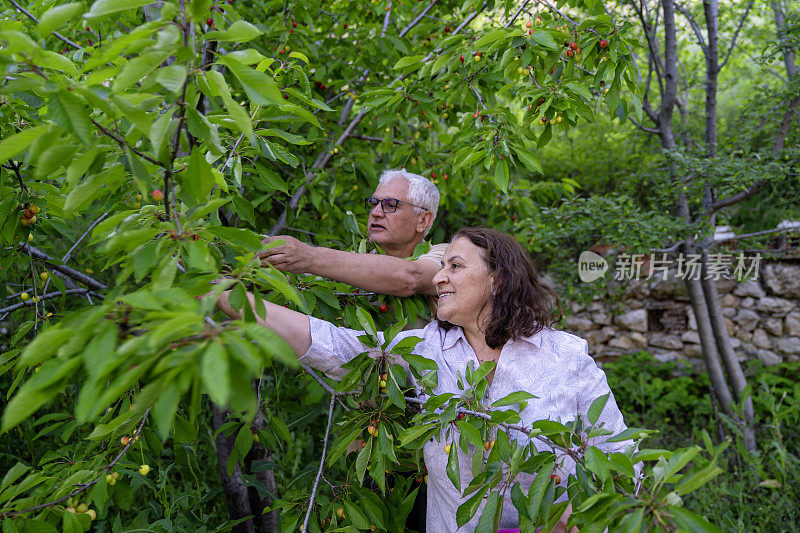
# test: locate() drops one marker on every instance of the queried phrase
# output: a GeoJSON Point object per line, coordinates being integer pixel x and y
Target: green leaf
{"type": "Point", "coordinates": [240, 31]}
{"type": "Point", "coordinates": [453, 469]}
{"type": "Point", "coordinates": [697, 479]}
{"type": "Point", "coordinates": [75, 116]}
{"type": "Point", "coordinates": [363, 460]}
{"type": "Point", "coordinates": [490, 38]}
{"type": "Point", "coordinates": [472, 433]}
{"type": "Point", "coordinates": [413, 432]}
{"type": "Point", "coordinates": [579, 89]}
{"type": "Point", "coordinates": [689, 521]}
{"type": "Point", "coordinates": [57, 16]}
{"type": "Point", "coordinates": [135, 69]}
{"type": "Point", "coordinates": [490, 516]}
{"type": "Point", "coordinates": [13, 474]}
{"type": "Point", "coordinates": [467, 510]}
{"type": "Point", "coordinates": [241, 237]}
{"type": "Point", "coordinates": [408, 61]}
{"type": "Point", "coordinates": [102, 8]}
{"type": "Point", "coordinates": [501, 175]}
{"type": "Point", "coordinates": [514, 397]}
{"type": "Point", "coordinates": [597, 408]}
{"type": "Point", "coordinates": [355, 515]}
{"type": "Point", "coordinates": [529, 160]}
{"type": "Point", "coordinates": [545, 39]}
{"type": "Point", "coordinates": [14, 144]}
{"type": "Point", "coordinates": [214, 370]}
{"type": "Point", "coordinates": [260, 88]}
{"type": "Point", "coordinates": [48, 59]}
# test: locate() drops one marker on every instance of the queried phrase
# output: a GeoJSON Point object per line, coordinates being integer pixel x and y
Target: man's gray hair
{"type": "Point", "coordinates": [421, 190]}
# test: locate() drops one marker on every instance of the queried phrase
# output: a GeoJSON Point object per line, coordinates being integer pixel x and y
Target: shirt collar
{"type": "Point", "coordinates": [455, 333]}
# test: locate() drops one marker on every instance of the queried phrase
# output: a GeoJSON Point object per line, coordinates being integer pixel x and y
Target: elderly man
{"type": "Point", "coordinates": [401, 212]}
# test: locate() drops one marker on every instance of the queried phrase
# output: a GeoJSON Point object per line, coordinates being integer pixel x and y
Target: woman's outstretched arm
{"type": "Point", "coordinates": [291, 326]}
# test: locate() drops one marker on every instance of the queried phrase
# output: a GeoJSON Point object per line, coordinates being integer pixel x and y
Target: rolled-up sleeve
{"type": "Point", "coordinates": [331, 347]}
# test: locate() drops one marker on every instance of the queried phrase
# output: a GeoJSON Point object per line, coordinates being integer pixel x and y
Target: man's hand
{"type": "Point", "coordinates": [294, 256]}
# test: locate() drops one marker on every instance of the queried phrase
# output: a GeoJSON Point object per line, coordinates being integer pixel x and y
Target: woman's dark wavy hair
{"type": "Point", "coordinates": [522, 305]}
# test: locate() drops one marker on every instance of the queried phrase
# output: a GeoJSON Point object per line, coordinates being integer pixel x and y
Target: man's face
{"type": "Point", "coordinates": [393, 230]}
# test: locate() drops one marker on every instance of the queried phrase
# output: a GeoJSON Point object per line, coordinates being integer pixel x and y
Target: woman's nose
{"type": "Point", "coordinates": [438, 277]}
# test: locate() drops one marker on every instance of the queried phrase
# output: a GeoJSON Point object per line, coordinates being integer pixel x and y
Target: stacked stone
{"type": "Point", "coordinates": [761, 316]}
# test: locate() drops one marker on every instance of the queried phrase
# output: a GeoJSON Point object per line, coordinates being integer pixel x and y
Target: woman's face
{"type": "Point", "coordinates": [464, 285]}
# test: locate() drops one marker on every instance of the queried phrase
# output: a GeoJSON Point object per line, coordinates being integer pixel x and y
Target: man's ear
{"type": "Point", "coordinates": [424, 222]}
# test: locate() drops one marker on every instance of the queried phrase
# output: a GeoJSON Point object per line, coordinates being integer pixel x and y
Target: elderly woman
{"type": "Point", "coordinates": [492, 307]}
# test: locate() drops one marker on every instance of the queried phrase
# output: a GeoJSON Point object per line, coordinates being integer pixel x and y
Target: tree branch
{"type": "Point", "coordinates": [123, 144]}
{"type": "Point", "coordinates": [699, 34]}
{"type": "Point", "coordinates": [736, 34]}
{"type": "Point", "coordinates": [321, 464]}
{"type": "Point", "coordinates": [643, 127]}
{"type": "Point", "coordinates": [517, 13]}
{"type": "Point", "coordinates": [49, 295]}
{"type": "Point", "coordinates": [67, 271]}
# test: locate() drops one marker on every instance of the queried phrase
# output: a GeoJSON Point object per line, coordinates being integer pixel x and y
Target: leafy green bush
{"type": "Point", "coordinates": [757, 492]}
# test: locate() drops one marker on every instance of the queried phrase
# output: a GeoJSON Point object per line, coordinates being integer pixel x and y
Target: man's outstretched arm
{"type": "Point", "coordinates": [371, 272]}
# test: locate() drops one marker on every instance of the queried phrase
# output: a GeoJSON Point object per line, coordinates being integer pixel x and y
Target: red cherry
{"type": "Point", "coordinates": [444, 177]}
{"type": "Point", "coordinates": [603, 43]}
{"type": "Point", "coordinates": [294, 24]}
{"type": "Point", "coordinates": [282, 51]}
{"type": "Point", "coordinates": [530, 32]}
{"type": "Point", "coordinates": [570, 53]}
{"type": "Point", "coordinates": [461, 416]}
{"type": "Point", "coordinates": [566, 43]}
{"type": "Point", "coordinates": [210, 22]}
{"type": "Point", "coordinates": [285, 96]}
{"type": "Point", "coordinates": [447, 29]}
{"type": "Point", "coordinates": [573, 45]}
{"type": "Point", "coordinates": [461, 58]}
{"type": "Point", "coordinates": [383, 308]}
{"type": "Point", "coordinates": [344, 26]}
{"type": "Point", "coordinates": [433, 175]}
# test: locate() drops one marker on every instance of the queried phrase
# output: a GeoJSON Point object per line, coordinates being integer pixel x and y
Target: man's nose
{"type": "Point", "coordinates": [377, 210]}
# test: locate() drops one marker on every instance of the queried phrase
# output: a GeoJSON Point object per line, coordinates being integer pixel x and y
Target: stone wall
{"type": "Point", "coordinates": [762, 317]}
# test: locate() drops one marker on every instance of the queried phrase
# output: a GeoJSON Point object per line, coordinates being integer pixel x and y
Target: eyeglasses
{"type": "Point", "coordinates": [388, 205]}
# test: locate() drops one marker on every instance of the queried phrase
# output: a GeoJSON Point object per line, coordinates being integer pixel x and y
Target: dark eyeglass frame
{"type": "Point", "coordinates": [388, 205]}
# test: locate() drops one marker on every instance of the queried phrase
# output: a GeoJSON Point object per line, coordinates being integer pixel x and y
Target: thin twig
{"type": "Point", "coordinates": [123, 144]}
{"type": "Point", "coordinates": [69, 252]}
{"type": "Point", "coordinates": [515, 15]}
{"type": "Point", "coordinates": [321, 464]}
{"type": "Point", "coordinates": [46, 296]}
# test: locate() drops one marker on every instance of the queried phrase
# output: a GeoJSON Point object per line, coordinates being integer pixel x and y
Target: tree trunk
{"type": "Point", "coordinates": [723, 343]}
{"type": "Point", "coordinates": [711, 9]}
{"type": "Point", "coordinates": [233, 486]}
{"type": "Point", "coordinates": [267, 522]}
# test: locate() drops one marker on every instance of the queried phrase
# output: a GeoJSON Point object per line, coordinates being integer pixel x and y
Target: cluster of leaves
{"type": "Point", "coordinates": [216, 107]}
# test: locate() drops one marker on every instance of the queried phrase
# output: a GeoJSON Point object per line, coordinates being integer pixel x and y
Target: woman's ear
{"type": "Point", "coordinates": [494, 279]}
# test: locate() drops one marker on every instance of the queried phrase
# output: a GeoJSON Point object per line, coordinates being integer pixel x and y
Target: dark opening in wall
{"type": "Point", "coordinates": [667, 317]}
